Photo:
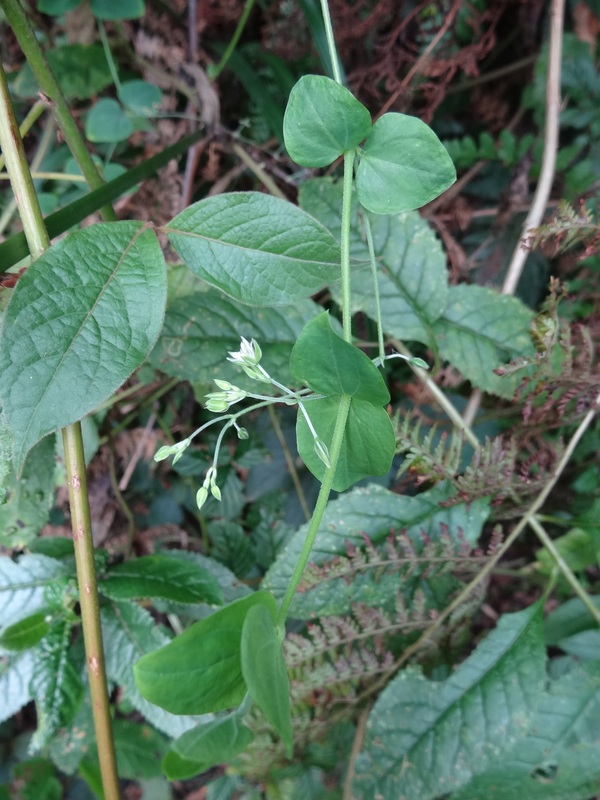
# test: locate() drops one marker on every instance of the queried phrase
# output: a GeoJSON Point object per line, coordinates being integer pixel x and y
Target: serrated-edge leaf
{"type": "Point", "coordinates": [258, 249]}
{"type": "Point", "coordinates": [16, 670]}
{"type": "Point", "coordinates": [80, 320]}
{"type": "Point", "coordinates": [23, 583]}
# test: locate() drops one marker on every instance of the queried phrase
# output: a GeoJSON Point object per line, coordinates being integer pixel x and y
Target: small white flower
{"type": "Point", "coordinates": [176, 450]}
{"type": "Point", "coordinates": [249, 353]}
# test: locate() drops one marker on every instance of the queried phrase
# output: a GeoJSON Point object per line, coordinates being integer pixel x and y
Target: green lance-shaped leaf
{"type": "Point", "coordinates": [331, 366]}
{"type": "Point", "coordinates": [255, 248]}
{"type": "Point", "coordinates": [403, 165]}
{"type": "Point", "coordinates": [265, 673]}
{"type": "Point", "coordinates": [322, 120]}
{"type": "Point", "coordinates": [81, 319]}
{"type": "Point", "coordinates": [369, 441]}
{"type": "Point", "coordinates": [26, 633]}
{"type": "Point", "coordinates": [161, 576]}
{"type": "Point", "coordinates": [200, 671]}
{"type": "Point", "coordinates": [205, 746]}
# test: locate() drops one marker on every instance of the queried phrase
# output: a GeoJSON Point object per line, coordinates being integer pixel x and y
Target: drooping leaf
{"type": "Point", "coordinates": [331, 366]}
{"type": "Point", "coordinates": [569, 618]}
{"type": "Point", "coordinates": [140, 749]}
{"type": "Point", "coordinates": [255, 248]}
{"type": "Point", "coordinates": [132, 631]}
{"type": "Point", "coordinates": [265, 673]}
{"type": "Point", "coordinates": [200, 670]}
{"type": "Point", "coordinates": [215, 742]}
{"type": "Point", "coordinates": [26, 633]}
{"type": "Point", "coordinates": [369, 440]}
{"type": "Point", "coordinates": [16, 670]}
{"type": "Point", "coordinates": [373, 512]}
{"type": "Point", "coordinates": [411, 263]}
{"type": "Point", "coordinates": [202, 328]}
{"type": "Point", "coordinates": [481, 329]}
{"type": "Point", "coordinates": [322, 121]}
{"type": "Point", "coordinates": [81, 71]}
{"type": "Point", "coordinates": [72, 743]}
{"type": "Point", "coordinates": [403, 165]}
{"type": "Point", "coordinates": [23, 585]}
{"type": "Point", "coordinates": [161, 576]}
{"type": "Point", "coordinates": [55, 684]}
{"type": "Point", "coordinates": [29, 499]}
{"type": "Point", "coordinates": [481, 710]}
{"type": "Point", "coordinates": [81, 319]}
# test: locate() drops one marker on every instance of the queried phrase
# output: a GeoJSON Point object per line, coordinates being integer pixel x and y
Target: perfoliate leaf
{"type": "Point", "coordinates": [161, 576]}
{"type": "Point", "coordinates": [81, 319]}
{"type": "Point", "coordinates": [215, 742]}
{"type": "Point", "coordinates": [481, 329]}
{"type": "Point", "coordinates": [477, 713]}
{"type": "Point", "coordinates": [369, 440]}
{"type": "Point", "coordinates": [255, 248]}
{"type": "Point", "coordinates": [322, 121]}
{"type": "Point", "coordinates": [265, 673]}
{"type": "Point", "coordinates": [403, 165]}
{"type": "Point", "coordinates": [200, 670]}
{"type": "Point", "coordinates": [331, 366]}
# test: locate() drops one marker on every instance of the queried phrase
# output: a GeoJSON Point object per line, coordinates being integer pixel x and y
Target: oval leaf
{"type": "Point", "coordinates": [200, 670]}
{"type": "Point", "coordinates": [26, 633]}
{"type": "Point", "coordinates": [161, 576]}
{"type": "Point", "coordinates": [257, 249]}
{"type": "Point", "coordinates": [369, 442]}
{"type": "Point", "coordinates": [329, 365]}
{"type": "Point", "coordinates": [81, 319]}
{"type": "Point", "coordinates": [403, 166]}
{"type": "Point", "coordinates": [322, 120]}
{"type": "Point", "coordinates": [265, 673]}
{"type": "Point", "coordinates": [107, 122]}
{"type": "Point", "coordinates": [206, 746]}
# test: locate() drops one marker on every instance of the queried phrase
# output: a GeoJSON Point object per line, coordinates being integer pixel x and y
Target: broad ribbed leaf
{"type": "Point", "coordinates": [426, 739]}
{"type": "Point", "coordinates": [322, 120]}
{"type": "Point", "coordinates": [479, 331]}
{"type": "Point", "coordinates": [131, 631]}
{"type": "Point", "coordinates": [373, 512]}
{"type": "Point", "coordinates": [411, 264]}
{"type": "Point", "coordinates": [200, 670]}
{"type": "Point", "coordinates": [369, 440]}
{"type": "Point", "coordinates": [23, 585]}
{"type": "Point", "coordinates": [16, 670]}
{"type": "Point", "coordinates": [403, 165]}
{"type": "Point", "coordinates": [326, 363]}
{"type": "Point", "coordinates": [215, 742]}
{"type": "Point", "coordinates": [202, 328]}
{"type": "Point", "coordinates": [55, 684]}
{"type": "Point", "coordinates": [265, 673]}
{"type": "Point", "coordinates": [161, 576]}
{"type": "Point", "coordinates": [257, 249]}
{"type": "Point", "coordinates": [81, 319]}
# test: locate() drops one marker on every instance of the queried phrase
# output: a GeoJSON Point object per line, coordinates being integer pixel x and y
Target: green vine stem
{"type": "Point", "coordinates": [17, 19]}
{"type": "Point", "coordinates": [34, 113]}
{"type": "Point", "coordinates": [214, 73]}
{"type": "Point", "coordinates": [38, 241]}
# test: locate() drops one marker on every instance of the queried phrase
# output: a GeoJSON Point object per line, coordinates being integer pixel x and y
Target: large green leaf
{"type": "Point", "coordinates": [331, 366]}
{"type": "Point", "coordinates": [26, 510]}
{"type": "Point", "coordinates": [215, 742]}
{"type": "Point", "coordinates": [369, 440]}
{"type": "Point", "coordinates": [480, 330]}
{"type": "Point", "coordinates": [131, 632]}
{"type": "Point", "coordinates": [322, 120]}
{"type": "Point", "coordinates": [140, 749]}
{"type": "Point", "coordinates": [426, 739]}
{"type": "Point", "coordinates": [161, 576]}
{"type": "Point", "coordinates": [24, 583]}
{"type": "Point", "coordinates": [55, 684]}
{"type": "Point", "coordinates": [412, 273]}
{"type": "Point", "coordinates": [81, 71]}
{"type": "Point", "coordinates": [81, 319]}
{"type": "Point", "coordinates": [372, 512]}
{"type": "Point", "coordinates": [16, 670]}
{"type": "Point", "coordinates": [265, 673]}
{"type": "Point", "coordinates": [403, 165]}
{"type": "Point", "coordinates": [201, 328]}
{"type": "Point", "coordinates": [200, 670]}
{"type": "Point", "coordinates": [256, 248]}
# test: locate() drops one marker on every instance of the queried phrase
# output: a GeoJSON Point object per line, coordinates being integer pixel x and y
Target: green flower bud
{"type": "Point", "coordinates": [322, 451]}
{"type": "Point", "coordinates": [201, 496]}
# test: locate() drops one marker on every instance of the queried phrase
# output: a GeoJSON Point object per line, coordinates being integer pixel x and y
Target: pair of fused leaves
{"type": "Point", "coordinates": [332, 367]}
{"type": "Point", "coordinates": [403, 164]}
{"type": "Point", "coordinates": [211, 667]}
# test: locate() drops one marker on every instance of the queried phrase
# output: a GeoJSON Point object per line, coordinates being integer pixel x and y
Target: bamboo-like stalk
{"type": "Point", "coordinates": [38, 241]}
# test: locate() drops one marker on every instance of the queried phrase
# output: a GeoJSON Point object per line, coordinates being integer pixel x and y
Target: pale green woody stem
{"type": "Point", "coordinates": [345, 244]}
{"type": "Point", "coordinates": [319, 510]}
